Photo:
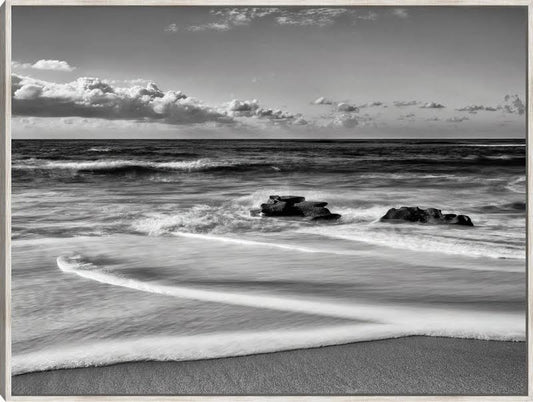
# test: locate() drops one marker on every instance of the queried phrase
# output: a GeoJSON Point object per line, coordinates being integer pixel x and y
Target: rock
{"type": "Point", "coordinates": [289, 199]}
{"type": "Point", "coordinates": [280, 208]}
{"type": "Point", "coordinates": [296, 206]}
{"type": "Point", "coordinates": [330, 217]}
{"type": "Point", "coordinates": [313, 209]}
{"type": "Point", "coordinates": [458, 219]}
{"type": "Point", "coordinates": [429, 215]}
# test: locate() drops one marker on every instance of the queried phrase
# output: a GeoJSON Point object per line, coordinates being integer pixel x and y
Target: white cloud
{"type": "Point", "coordinates": [405, 103]}
{"type": "Point", "coordinates": [311, 16]}
{"type": "Point", "coordinates": [371, 104]}
{"type": "Point", "coordinates": [224, 19]}
{"type": "Point", "coordinates": [408, 117]}
{"type": "Point", "coordinates": [340, 106]}
{"type": "Point", "coordinates": [473, 109]}
{"type": "Point", "coordinates": [171, 28]}
{"type": "Point", "coordinates": [346, 120]}
{"type": "Point", "coordinates": [251, 109]}
{"type": "Point", "coordinates": [129, 82]}
{"type": "Point", "coordinates": [432, 105]}
{"type": "Point", "coordinates": [212, 26]}
{"type": "Point", "coordinates": [346, 107]}
{"type": "Point", "coordinates": [400, 13]}
{"type": "Point", "coordinates": [95, 98]}
{"type": "Point", "coordinates": [322, 101]}
{"type": "Point", "coordinates": [457, 119]}
{"type": "Point", "coordinates": [53, 65]}
{"type": "Point", "coordinates": [513, 104]}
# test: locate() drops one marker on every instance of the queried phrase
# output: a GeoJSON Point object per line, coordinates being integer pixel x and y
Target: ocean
{"type": "Point", "coordinates": [146, 249]}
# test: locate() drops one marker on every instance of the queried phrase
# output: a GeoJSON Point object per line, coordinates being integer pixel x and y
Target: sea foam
{"type": "Point", "coordinates": [371, 322]}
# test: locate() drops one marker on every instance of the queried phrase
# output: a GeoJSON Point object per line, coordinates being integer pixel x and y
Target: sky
{"type": "Point", "coordinates": [284, 72]}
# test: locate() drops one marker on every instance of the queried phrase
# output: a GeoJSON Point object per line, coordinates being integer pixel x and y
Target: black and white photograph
{"type": "Point", "coordinates": [268, 200]}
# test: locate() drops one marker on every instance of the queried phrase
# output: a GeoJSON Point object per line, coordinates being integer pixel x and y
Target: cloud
{"type": "Point", "coordinates": [405, 103]}
{"type": "Point", "coordinates": [340, 106]}
{"type": "Point", "coordinates": [345, 120]}
{"type": "Point", "coordinates": [473, 109]}
{"type": "Point", "coordinates": [212, 26]}
{"type": "Point", "coordinates": [252, 109]}
{"type": "Point", "coordinates": [457, 119]}
{"type": "Point", "coordinates": [53, 65]}
{"type": "Point", "coordinates": [224, 19]}
{"type": "Point", "coordinates": [95, 98]}
{"type": "Point", "coordinates": [400, 13]}
{"type": "Point", "coordinates": [513, 104]}
{"type": "Point", "coordinates": [345, 107]}
{"type": "Point", "coordinates": [408, 117]}
{"type": "Point", "coordinates": [432, 105]}
{"type": "Point", "coordinates": [171, 28]}
{"type": "Point", "coordinates": [129, 82]}
{"type": "Point", "coordinates": [371, 104]}
{"type": "Point", "coordinates": [322, 101]}
{"type": "Point", "coordinates": [311, 16]}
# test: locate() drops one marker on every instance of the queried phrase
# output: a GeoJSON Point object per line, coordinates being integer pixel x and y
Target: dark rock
{"type": "Point", "coordinates": [296, 206]}
{"type": "Point", "coordinates": [313, 209]}
{"type": "Point", "coordinates": [329, 217]}
{"type": "Point", "coordinates": [429, 215]}
{"type": "Point", "coordinates": [280, 208]}
{"type": "Point", "coordinates": [454, 219]}
{"type": "Point", "coordinates": [289, 199]}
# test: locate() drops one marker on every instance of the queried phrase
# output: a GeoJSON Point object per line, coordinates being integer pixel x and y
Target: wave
{"type": "Point", "coordinates": [488, 145]}
{"type": "Point", "coordinates": [425, 242]}
{"type": "Point", "coordinates": [325, 164]}
{"type": "Point", "coordinates": [261, 243]}
{"type": "Point", "coordinates": [100, 149]}
{"type": "Point", "coordinates": [517, 206]}
{"type": "Point", "coordinates": [517, 185]}
{"type": "Point", "coordinates": [112, 166]}
{"type": "Point", "coordinates": [371, 322]}
{"type": "Point", "coordinates": [211, 346]}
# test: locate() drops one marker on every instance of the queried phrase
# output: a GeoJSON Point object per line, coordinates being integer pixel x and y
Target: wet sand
{"type": "Point", "coordinates": [404, 366]}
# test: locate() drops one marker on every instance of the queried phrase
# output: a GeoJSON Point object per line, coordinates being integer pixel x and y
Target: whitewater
{"type": "Point", "coordinates": [146, 250]}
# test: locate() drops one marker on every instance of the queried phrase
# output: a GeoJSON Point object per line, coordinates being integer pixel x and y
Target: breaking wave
{"type": "Point", "coordinates": [134, 166]}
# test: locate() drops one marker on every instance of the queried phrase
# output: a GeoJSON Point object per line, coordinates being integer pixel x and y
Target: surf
{"type": "Point", "coordinates": [420, 320]}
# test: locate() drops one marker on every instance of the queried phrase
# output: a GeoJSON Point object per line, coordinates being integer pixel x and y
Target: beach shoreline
{"type": "Point", "coordinates": [415, 365]}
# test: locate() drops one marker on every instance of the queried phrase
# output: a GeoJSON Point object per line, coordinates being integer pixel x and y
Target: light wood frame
{"type": "Point", "coordinates": [5, 190]}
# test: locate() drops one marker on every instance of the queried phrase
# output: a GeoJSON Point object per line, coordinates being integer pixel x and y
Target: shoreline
{"type": "Point", "coordinates": [414, 365]}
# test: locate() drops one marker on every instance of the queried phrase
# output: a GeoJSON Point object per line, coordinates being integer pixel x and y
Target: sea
{"type": "Point", "coordinates": [135, 250]}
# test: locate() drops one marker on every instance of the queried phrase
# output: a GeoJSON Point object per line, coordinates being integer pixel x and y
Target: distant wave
{"type": "Point", "coordinates": [489, 145]}
{"type": "Point", "coordinates": [518, 206]}
{"type": "Point", "coordinates": [100, 149]}
{"type": "Point", "coordinates": [111, 166]}
{"type": "Point", "coordinates": [517, 185]}
{"type": "Point", "coordinates": [352, 164]}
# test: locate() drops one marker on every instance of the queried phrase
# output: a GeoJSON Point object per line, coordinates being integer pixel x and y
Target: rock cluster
{"type": "Point", "coordinates": [295, 206]}
{"type": "Point", "coordinates": [429, 215]}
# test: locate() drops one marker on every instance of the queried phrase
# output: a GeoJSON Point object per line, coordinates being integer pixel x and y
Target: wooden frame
{"type": "Point", "coordinates": [5, 184]}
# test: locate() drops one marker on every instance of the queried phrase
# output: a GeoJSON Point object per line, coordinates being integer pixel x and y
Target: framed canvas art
{"type": "Point", "coordinates": [258, 199]}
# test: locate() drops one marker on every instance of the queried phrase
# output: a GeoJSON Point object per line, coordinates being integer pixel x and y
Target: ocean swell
{"type": "Point", "coordinates": [118, 166]}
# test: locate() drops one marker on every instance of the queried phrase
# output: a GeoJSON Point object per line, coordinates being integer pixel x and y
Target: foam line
{"type": "Point", "coordinates": [265, 244]}
{"type": "Point", "coordinates": [420, 321]}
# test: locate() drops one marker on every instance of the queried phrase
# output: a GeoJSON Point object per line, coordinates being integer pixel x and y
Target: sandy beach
{"type": "Point", "coordinates": [411, 365]}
